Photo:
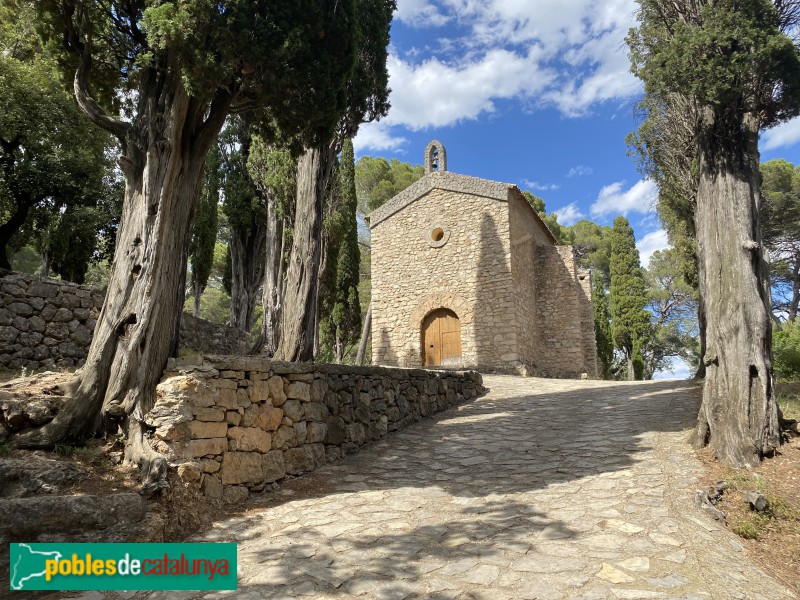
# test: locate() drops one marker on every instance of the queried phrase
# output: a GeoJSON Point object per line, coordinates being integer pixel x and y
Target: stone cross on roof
{"type": "Point", "coordinates": [435, 157]}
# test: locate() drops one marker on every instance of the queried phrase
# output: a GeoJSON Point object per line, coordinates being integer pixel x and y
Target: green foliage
{"type": "Point", "coordinates": [629, 319]}
{"type": "Point", "coordinates": [378, 180]}
{"type": "Point", "coordinates": [5, 450]}
{"type": "Point", "coordinates": [54, 188]}
{"type": "Point", "coordinates": [728, 55]}
{"type": "Point", "coordinates": [592, 245]}
{"type": "Point", "coordinates": [602, 327]}
{"type": "Point", "coordinates": [780, 218]}
{"type": "Point", "coordinates": [673, 305]}
{"type": "Point", "coordinates": [206, 224]}
{"type": "Point", "coordinates": [786, 351]}
{"type": "Point", "coordinates": [288, 61]}
{"type": "Point", "coordinates": [346, 317]}
{"type": "Point", "coordinates": [215, 306]}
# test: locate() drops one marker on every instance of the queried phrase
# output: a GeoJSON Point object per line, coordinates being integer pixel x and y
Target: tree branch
{"type": "Point", "coordinates": [88, 104]}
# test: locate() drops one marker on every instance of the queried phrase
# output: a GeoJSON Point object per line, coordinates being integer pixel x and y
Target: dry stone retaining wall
{"type": "Point", "coordinates": [46, 323]}
{"type": "Point", "coordinates": [233, 425]}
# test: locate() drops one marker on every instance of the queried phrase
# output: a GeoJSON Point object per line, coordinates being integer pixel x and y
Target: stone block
{"type": "Point", "coordinates": [268, 418]}
{"type": "Point", "coordinates": [208, 465]}
{"type": "Point", "coordinates": [316, 433]}
{"type": "Point", "coordinates": [248, 439]}
{"type": "Point", "coordinates": [37, 324]}
{"type": "Point", "coordinates": [299, 390]}
{"type": "Point", "coordinates": [21, 309]}
{"type": "Point", "coordinates": [190, 472]}
{"type": "Point", "coordinates": [242, 398]}
{"type": "Point", "coordinates": [318, 390]}
{"type": "Point", "coordinates": [207, 430]}
{"type": "Point", "coordinates": [302, 432]}
{"type": "Point", "coordinates": [299, 460]}
{"type": "Point", "coordinates": [63, 315]}
{"type": "Point", "coordinates": [285, 436]}
{"type": "Point", "coordinates": [315, 411]}
{"type": "Point", "coordinates": [259, 391]}
{"type": "Point", "coordinates": [202, 413]}
{"type": "Point", "coordinates": [277, 393]}
{"type": "Point", "coordinates": [241, 467]}
{"type": "Point", "coordinates": [206, 447]}
{"type": "Point", "coordinates": [273, 466]}
{"type": "Point", "coordinates": [356, 433]}
{"type": "Point", "coordinates": [232, 417]}
{"type": "Point", "coordinates": [293, 410]}
{"type": "Point", "coordinates": [234, 494]}
{"type": "Point", "coordinates": [226, 399]}
{"type": "Point", "coordinates": [317, 454]}
{"type": "Point", "coordinates": [212, 489]}
{"type": "Point", "coordinates": [336, 431]}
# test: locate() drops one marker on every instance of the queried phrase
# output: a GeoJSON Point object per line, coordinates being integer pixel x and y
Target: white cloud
{"type": "Point", "coordinates": [679, 370]}
{"type": "Point", "coordinates": [377, 136]}
{"type": "Point", "coordinates": [785, 134]}
{"type": "Point", "coordinates": [542, 187]}
{"type": "Point", "coordinates": [567, 54]}
{"type": "Point", "coordinates": [569, 214]}
{"type": "Point", "coordinates": [580, 171]}
{"type": "Point", "coordinates": [650, 243]}
{"type": "Point", "coordinates": [419, 13]}
{"type": "Point", "coordinates": [612, 199]}
{"type": "Point", "coordinates": [436, 94]}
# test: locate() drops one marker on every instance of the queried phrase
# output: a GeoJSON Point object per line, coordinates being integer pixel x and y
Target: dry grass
{"type": "Point", "coordinates": [772, 537]}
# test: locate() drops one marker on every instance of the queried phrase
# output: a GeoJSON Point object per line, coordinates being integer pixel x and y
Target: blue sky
{"type": "Point", "coordinates": [532, 92]}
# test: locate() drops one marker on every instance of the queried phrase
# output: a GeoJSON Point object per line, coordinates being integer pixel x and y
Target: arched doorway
{"type": "Point", "coordinates": [441, 338]}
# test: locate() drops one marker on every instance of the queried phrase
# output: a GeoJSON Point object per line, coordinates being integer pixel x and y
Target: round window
{"type": "Point", "coordinates": [437, 236]}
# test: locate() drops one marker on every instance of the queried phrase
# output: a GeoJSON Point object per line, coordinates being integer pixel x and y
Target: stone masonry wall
{"type": "Point", "coordinates": [46, 323]}
{"type": "Point", "coordinates": [468, 272]}
{"type": "Point", "coordinates": [234, 425]}
{"type": "Point", "coordinates": [561, 316]}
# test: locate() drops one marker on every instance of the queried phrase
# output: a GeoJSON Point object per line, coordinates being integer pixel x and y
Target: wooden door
{"type": "Point", "coordinates": [441, 338]}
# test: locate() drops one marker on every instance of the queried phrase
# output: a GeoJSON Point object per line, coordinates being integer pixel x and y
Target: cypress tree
{"type": "Point", "coordinates": [346, 316]}
{"type": "Point", "coordinates": [204, 235]}
{"type": "Point", "coordinates": [602, 327]}
{"type": "Point", "coordinates": [629, 319]}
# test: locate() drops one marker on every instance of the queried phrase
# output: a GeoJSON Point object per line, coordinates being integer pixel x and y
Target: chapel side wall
{"type": "Point", "coordinates": [525, 235]}
{"type": "Point", "coordinates": [469, 274]}
{"type": "Point", "coordinates": [562, 353]}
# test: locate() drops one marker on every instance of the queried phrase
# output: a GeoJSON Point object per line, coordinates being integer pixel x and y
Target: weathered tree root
{"type": "Point", "coordinates": [152, 465]}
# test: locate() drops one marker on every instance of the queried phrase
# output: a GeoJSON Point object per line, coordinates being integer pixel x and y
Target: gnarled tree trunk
{"type": "Point", "coordinates": [365, 331]}
{"type": "Point", "coordinates": [299, 312]}
{"type": "Point", "coordinates": [738, 416]}
{"type": "Point", "coordinates": [163, 160]}
{"type": "Point", "coordinates": [247, 272]}
{"type": "Point", "coordinates": [274, 281]}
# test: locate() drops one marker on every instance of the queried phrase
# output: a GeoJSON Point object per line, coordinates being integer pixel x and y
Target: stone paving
{"type": "Point", "coordinates": [540, 489]}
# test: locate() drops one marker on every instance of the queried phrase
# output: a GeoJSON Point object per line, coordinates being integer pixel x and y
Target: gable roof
{"type": "Point", "coordinates": [451, 182]}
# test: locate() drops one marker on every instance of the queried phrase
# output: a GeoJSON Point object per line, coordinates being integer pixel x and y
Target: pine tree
{"type": "Point", "coordinates": [602, 327]}
{"type": "Point", "coordinates": [629, 319]}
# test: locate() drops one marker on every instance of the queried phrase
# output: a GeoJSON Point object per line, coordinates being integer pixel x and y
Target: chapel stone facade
{"type": "Point", "coordinates": [466, 274]}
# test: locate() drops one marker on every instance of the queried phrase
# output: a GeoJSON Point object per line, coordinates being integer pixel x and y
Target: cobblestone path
{"type": "Point", "coordinates": [540, 489]}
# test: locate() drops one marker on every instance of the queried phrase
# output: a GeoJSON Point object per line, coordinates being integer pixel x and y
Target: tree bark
{"type": "Point", "coordinates": [298, 318]}
{"type": "Point", "coordinates": [163, 157]}
{"type": "Point", "coordinates": [274, 282]}
{"type": "Point", "coordinates": [198, 292]}
{"type": "Point", "coordinates": [9, 228]}
{"type": "Point", "coordinates": [365, 331]}
{"type": "Point", "coordinates": [738, 416]}
{"type": "Point", "coordinates": [247, 272]}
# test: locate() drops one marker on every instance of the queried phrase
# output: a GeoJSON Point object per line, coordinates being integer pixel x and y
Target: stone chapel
{"type": "Point", "coordinates": [466, 274]}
